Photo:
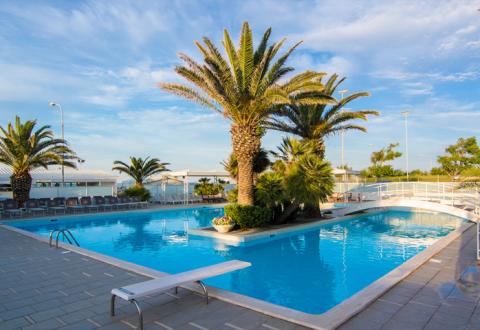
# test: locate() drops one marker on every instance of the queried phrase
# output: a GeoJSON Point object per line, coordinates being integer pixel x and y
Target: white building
{"type": "Point", "coordinates": [48, 183]}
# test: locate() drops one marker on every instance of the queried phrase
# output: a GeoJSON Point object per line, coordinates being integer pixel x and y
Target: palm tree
{"type": "Point", "coordinates": [315, 122]}
{"type": "Point", "coordinates": [291, 149]}
{"type": "Point", "coordinates": [140, 169]}
{"type": "Point", "coordinates": [260, 163]}
{"type": "Point", "coordinates": [23, 149]}
{"type": "Point", "coordinates": [243, 88]}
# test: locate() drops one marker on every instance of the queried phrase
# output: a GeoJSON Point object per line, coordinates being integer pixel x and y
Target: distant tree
{"type": "Point", "coordinates": [380, 157]}
{"type": "Point", "coordinates": [437, 171]}
{"type": "Point", "coordinates": [418, 172]}
{"type": "Point", "coordinates": [463, 155]}
{"type": "Point", "coordinates": [24, 148]}
{"type": "Point", "coordinates": [140, 169]}
{"type": "Point", "coordinates": [345, 167]}
{"type": "Point", "coordinates": [203, 180]}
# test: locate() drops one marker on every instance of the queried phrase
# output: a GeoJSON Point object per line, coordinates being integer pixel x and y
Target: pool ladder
{"type": "Point", "coordinates": [67, 235]}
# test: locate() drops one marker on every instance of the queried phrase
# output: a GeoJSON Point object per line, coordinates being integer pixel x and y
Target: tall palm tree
{"type": "Point", "coordinates": [140, 169]}
{"type": "Point", "coordinates": [23, 149]}
{"type": "Point", "coordinates": [315, 122]}
{"type": "Point", "coordinates": [243, 88]}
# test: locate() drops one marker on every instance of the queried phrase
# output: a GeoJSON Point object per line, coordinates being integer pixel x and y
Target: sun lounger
{"type": "Point", "coordinates": [138, 203]}
{"type": "Point", "coordinates": [43, 203]}
{"type": "Point", "coordinates": [10, 207]}
{"type": "Point", "coordinates": [124, 202]}
{"type": "Point", "coordinates": [132, 293]}
{"type": "Point", "coordinates": [57, 205]}
{"type": "Point", "coordinates": [32, 207]}
{"type": "Point", "coordinates": [73, 205]}
{"type": "Point", "coordinates": [86, 202]}
{"type": "Point", "coordinates": [100, 202]}
{"type": "Point", "coordinates": [112, 201]}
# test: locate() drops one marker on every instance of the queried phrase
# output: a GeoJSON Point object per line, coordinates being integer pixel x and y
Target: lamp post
{"type": "Point", "coordinates": [405, 114]}
{"type": "Point", "coordinates": [342, 93]}
{"type": "Point", "coordinates": [53, 105]}
{"type": "Point", "coordinates": [342, 161]}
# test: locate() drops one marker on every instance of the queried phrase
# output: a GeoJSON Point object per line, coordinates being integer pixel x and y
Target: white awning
{"type": "Point", "coordinates": [188, 173]}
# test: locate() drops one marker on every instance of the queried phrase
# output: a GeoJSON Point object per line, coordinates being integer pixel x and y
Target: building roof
{"type": "Point", "coordinates": [54, 174]}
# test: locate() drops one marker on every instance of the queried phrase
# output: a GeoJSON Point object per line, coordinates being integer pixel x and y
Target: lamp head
{"type": "Point", "coordinates": [52, 104]}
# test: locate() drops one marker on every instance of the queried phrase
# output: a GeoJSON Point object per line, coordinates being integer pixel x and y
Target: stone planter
{"type": "Point", "coordinates": [223, 228]}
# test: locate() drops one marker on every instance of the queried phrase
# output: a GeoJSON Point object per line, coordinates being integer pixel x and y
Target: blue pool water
{"type": "Point", "coordinates": [310, 270]}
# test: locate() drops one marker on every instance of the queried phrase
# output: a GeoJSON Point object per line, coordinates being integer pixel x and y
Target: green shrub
{"type": "Point", "coordinates": [246, 216]}
{"type": "Point", "coordinates": [136, 191]}
{"type": "Point", "coordinates": [232, 195]}
{"type": "Point", "coordinates": [207, 188]}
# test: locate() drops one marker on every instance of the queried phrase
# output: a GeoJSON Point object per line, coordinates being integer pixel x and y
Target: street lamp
{"type": "Point", "coordinates": [53, 105]}
{"type": "Point", "coordinates": [405, 114]}
{"type": "Point", "coordinates": [342, 93]}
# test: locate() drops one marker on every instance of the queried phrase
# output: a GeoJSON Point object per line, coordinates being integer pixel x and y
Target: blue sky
{"type": "Point", "coordinates": [102, 59]}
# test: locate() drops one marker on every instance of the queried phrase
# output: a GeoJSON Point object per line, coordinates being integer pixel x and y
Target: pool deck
{"type": "Point", "coordinates": [47, 288]}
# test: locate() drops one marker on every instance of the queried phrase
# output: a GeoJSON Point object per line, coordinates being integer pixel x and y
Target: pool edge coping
{"type": "Point", "coordinates": [330, 319]}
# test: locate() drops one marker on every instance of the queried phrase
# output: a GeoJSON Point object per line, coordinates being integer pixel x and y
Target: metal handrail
{"type": "Point", "coordinates": [66, 234]}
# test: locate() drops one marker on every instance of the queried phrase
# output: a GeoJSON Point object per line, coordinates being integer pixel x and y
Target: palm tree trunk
{"type": "Point", "coordinates": [246, 143]}
{"type": "Point", "coordinates": [21, 184]}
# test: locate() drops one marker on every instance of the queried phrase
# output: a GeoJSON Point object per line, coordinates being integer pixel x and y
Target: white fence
{"type": "Point", "coordinates": [449, 193]}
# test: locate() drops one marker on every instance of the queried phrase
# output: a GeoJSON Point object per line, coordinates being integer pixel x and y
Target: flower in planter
{"type": "Point", "coordinates": [223, 221]}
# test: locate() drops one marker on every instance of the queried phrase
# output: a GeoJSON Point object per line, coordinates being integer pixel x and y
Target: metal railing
{"type": "Point", "coordinates": [466, 197]}
{"type": "Point", "coordinates": [66, 234]}
{"type": "Point", "coordinates": [449, 193]}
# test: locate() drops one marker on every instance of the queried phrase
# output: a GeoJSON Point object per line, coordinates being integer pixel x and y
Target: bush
{"type": "Point", "coordinates": [246, 216]}
{"type": "Point", "coordinates": [136, 191]}
{"type": "Point", "coordinates": [208, 189]}
{"type": "Point", "coordinates": [232, 195]}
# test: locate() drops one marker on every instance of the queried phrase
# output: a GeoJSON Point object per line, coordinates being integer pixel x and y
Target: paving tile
{"type": "Point", "coordinates": [48, 314]}
{"type": "Point", "coordinates": [47, 325]}
{"type": "Point", "coordinates": [14, 313]}
{"type": "Point", "coordinates": [14, 323]}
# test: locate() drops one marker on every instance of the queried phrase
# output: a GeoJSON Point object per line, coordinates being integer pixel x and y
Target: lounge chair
{"type": "Point", "coordinates": [138, 203]}
{"type": "Point", "coordinates": [43, 203]}
{"type": "Point", "coordinates": [109, 202]}
{"type": "Point", "coordinates": [86, 202]}
{"type": "Point", "coordinates": [132, 201]}
{"type": "Point", "coordinates": [57, 205]}
{"type": "Point", "coordinates": [112, 201]}
{"type": "Point", "coordinates": [99, 202]}
{"type": "Point", "coordinates": [32, 207]}
{"type": "Point", "coordinates": [72, 204]}
{"type": "Point", "coordinates": [124, 202]}
{"type": "Point", "coordinates": [10, 207]}
{"type": "Point", "coordinates": [132, 293]}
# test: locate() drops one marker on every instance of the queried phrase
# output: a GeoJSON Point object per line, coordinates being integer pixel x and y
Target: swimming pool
{"type": "Point", "coordinates": [309, 270]}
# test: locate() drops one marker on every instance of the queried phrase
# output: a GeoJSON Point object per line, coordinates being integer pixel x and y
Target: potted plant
{"type": "Point", "coordinates": [223, 224]}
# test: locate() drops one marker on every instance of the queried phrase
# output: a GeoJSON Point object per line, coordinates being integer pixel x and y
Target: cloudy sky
{"type": "Point", "coordinates": [101, 61]}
